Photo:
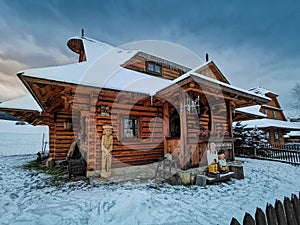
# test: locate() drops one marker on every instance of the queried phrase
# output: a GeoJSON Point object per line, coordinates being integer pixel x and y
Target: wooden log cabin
{"type": "Point", "coordinates": [155, 105]}
{"type": "Point", "coordinates": [268, 117]}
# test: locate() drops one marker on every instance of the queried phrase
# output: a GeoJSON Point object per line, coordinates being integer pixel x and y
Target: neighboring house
{"type": "Point", "coordinates": [292, 137]}
{"type": "Point", "coordinates": [268, 117]}
{"type": "Point", "coordinates": [155, 105]}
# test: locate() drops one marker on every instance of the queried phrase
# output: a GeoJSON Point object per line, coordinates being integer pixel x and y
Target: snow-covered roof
{"type": "Point", "coordinates": [261, 91]}
{"type": "Point", "coordinates": [106, 72]}
{"type": "Point", "coordinates": [167, 51]}
{"type": "Point", "coordinates": [272, 107]}
{"type": "Point", "coordinates": [265, 123]}
{"type": "Point", "coordinates": [210, 80]}
{"type": "Point", "coordinates": [293, 133]}
{"type": "Point", "coordinates": [252, 110]}
{"type": "Point", "coordinates": [26, 102]}
{"type": "Point", "coordinates": [93, 48]}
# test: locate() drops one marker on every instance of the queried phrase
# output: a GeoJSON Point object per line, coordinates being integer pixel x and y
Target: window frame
{"type": "Point", "coordinates": [137, 128]}
{"type": "Point", "coordinates": [266, 112]}
{"type": "Point", "coordinates": [155, 66]}
{"type": "Point", "coordinates": [275, 114]}
{"type": "Point", "coordinates": [276, 135]}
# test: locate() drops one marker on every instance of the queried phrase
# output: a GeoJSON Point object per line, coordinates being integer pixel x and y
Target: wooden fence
{"type": "Point", "coordinates": [286, 213]}
{"type": "Point", "coordinates": [270, 153]}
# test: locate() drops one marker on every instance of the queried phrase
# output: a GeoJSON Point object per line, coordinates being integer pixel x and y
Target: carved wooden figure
{"type": "Point", "coordinates": [107, 147]}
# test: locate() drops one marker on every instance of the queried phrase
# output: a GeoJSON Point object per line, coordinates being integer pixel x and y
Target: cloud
{"type": "Point", "coordinates": [10, 87]}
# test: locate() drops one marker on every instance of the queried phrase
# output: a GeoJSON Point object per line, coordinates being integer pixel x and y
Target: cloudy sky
{"type": "Point", "coordinates": [254, 43]}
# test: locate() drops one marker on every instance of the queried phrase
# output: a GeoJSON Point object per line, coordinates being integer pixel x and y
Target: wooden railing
{"type": "Point", "coordinates": [270, 153]}
{"type": "Point", "coordinates": [286, 213]}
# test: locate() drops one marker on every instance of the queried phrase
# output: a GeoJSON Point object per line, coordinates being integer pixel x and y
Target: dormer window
{"type": "Point", "coordinates": [154, 68]}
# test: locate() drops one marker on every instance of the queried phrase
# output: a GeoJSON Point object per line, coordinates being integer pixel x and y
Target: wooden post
{"type": "Point", "coordinates": [230, 130]}
{"type": "Point", "coordinates": [166, 126]}
{"type": "Point", "coordinates": [183, 129]}
{"type": "Point", "coordinates": [281, 217]}
{"type": "Point", "coordinates": [289, 211]}
{"type": "Point", "coordinates": [234, 222]}
{"type": "Point", "coordinates": [296, 204]}
{"type": "Point", "coordinates": [271, 215]}
{"type": "Point", "coordinates": [248, 220]}
{"type": "Point", "coordinates": [260, 217]}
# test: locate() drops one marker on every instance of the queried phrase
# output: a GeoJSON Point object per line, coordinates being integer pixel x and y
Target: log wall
{"type": "Point", "coordinates": [147, 148]}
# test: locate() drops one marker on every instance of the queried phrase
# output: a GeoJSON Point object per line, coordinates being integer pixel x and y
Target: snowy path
{"type": "Point", "coordinates": [27, 199]}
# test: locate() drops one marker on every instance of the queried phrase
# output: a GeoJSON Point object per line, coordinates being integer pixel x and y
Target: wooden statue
{"type": "Point", "coordinates": [106, 147]}
{"type": "Point", "coordinates": [222, 163]}
{"type": "Point", "coordinates": [212, 158]}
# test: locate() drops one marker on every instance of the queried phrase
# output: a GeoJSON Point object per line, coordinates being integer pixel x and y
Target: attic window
{"type": "Point", "coordinates": [266, 112]}
{"type": "Point", "coordinates": [154, 68]}
{"type": "Point", "coordinates": [275, 114]}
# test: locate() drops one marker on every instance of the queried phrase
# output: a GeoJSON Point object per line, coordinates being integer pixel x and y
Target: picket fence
{"type": "Point", "coordinates": [286, 213]}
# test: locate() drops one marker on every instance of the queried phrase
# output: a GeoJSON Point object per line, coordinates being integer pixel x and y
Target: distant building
{"type": "Point", "coordinates": [268, 117]}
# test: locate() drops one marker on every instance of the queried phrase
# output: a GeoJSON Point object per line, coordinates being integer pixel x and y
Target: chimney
{"type": "Point", "coordinates": [206, 57]}
{"type": "Point", "coordinates": [82, 32]}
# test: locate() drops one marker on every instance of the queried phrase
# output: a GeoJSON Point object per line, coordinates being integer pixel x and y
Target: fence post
{"type": "Point", "coordinates": [260, 217]}
{"type": "Point", "coordinates": [271, 215]}
{"type": "Point", "coordinates": [290, 214]}
{"type": "Point", "coordinates": [296, 204]}
{"type": "Point", "coordinates": [234, 222]}
{"type": "Point", "coordinates": [248, 220]}
{"type": "Point", "coordinates": [281, 217]}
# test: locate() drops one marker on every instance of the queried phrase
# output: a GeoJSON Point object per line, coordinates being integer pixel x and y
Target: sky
{"type": "Point", "coordinates": [254, 43]}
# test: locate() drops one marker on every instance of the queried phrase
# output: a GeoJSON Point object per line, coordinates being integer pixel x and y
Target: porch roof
{"type": "Point", "coordinates": [204, 80]}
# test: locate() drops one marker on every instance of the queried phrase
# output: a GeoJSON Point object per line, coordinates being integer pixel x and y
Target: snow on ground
{"type": "Point", "coordinates": [28, 198]}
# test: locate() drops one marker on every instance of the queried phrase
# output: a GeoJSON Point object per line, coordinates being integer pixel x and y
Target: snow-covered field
{"type": "Point", "coordinates": [27, 198]}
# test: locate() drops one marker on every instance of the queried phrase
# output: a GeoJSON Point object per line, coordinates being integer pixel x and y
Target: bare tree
{"type": "Point", "coordinates": [296, 98]}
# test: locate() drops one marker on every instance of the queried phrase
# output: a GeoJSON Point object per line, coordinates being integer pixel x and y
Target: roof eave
{"type": "Point", "coordinates": [21, 76]}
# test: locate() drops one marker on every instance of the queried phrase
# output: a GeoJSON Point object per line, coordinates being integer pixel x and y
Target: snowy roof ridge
{"type": "Point", "coordinates": [193, 73]}
{"type": "Point", "coordinates": [261, 91]}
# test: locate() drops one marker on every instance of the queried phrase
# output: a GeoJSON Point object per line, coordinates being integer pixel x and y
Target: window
{"type": "Point", "coordinates": [174, 125]}
{"type": "Point", "coordinates": [131, 128]}
{"type": "Point", "coordinates": [158, 69]}
{"type": "Point", "coordinates": [275, 114]}
{"type": "Point", "coordinates": [268, 135]}
{"type": "Point", "coordinates": [276, 135]}
{"type": "Point", "coordinates": [266, 112]}
{"type": "Point", "coordinates": [154, 68]}
{"type": "Point", "coordinates": [150, 67]}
